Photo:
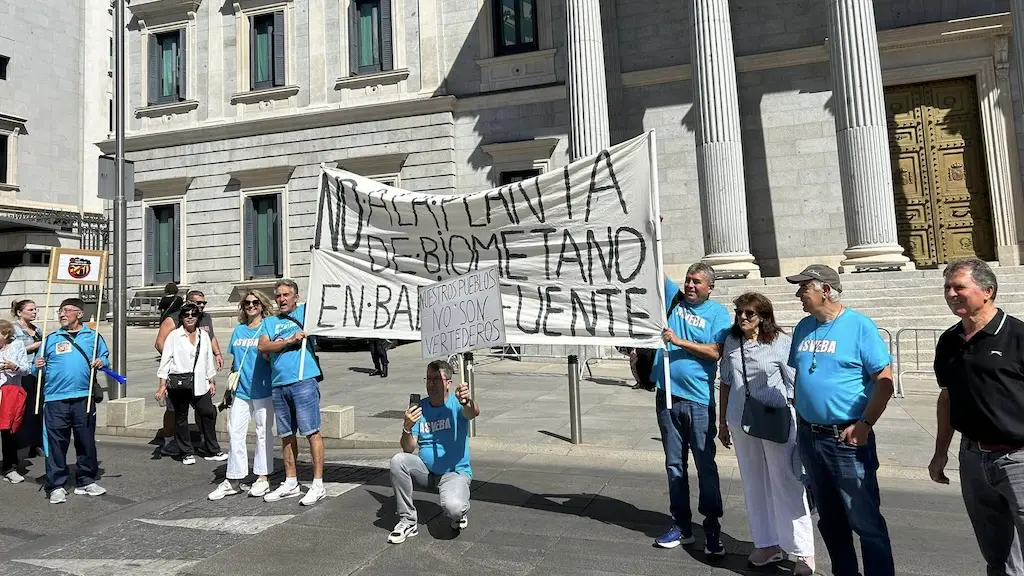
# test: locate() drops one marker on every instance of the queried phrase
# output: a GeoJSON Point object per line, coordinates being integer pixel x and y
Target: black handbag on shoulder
{"type": "Point", "coordinates": [186, 381]}
{"type": "Point", "coordinates": [761, 420]}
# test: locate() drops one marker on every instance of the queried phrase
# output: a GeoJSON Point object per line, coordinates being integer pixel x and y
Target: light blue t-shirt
{"type": "Point", "coordinates": [67, 370]}
{"type": "Point", "coordinates": [285, 365]}
{"type": "Point", "coordinates": [253, 368]}
{"type": "Point", "coordinates": [845, 353]}
{"type": "Point", "coordinates": [443, 436]}
{"type": "Point", "coordinates": [705, 323]}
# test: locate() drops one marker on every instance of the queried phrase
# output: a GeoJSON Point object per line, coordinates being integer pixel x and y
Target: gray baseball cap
{"type": "Point", "coordinates": [818, 272]}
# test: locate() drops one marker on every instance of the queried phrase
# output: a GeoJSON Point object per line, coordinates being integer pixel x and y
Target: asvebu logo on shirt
{"type": "Point", "coordinates": [435, 426]}
{"type": "Point", "coordinates": [694, 320]}
{"type": "Point", "coordinates": [246, 342]}
{"type": "Point", "coordinates": [822, 346]}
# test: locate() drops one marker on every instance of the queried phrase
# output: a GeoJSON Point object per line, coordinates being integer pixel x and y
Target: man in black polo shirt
{"type": "Point", "coordinates": [979, 365]}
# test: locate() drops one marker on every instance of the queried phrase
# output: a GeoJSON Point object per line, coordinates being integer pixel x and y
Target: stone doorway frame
{"type": "Point", "coordinates": [997, 125]}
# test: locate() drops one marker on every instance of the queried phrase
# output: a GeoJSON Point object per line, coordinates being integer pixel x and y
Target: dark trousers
{"type": "Point", "coordinates": [845, 489]}
{"type": "Point", "coordinates": [9, 442]}
{"type": "Point", "coordinates": [379, 353]}
{"type": "Point", "coordinates": [64, 417]}
{"type": "Point", "coordinates": [206, 419]}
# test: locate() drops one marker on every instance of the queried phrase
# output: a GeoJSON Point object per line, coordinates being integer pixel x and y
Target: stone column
{"type": "Point", "coordinates": [863, 139]}
{"type": "Point", "coordinates": [588, 89]}
{"type": "Point", "coordinates": [719, 147]}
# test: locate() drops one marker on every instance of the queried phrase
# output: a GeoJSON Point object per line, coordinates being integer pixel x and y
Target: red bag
{"type": "Point", "coordinates": [12, 407]}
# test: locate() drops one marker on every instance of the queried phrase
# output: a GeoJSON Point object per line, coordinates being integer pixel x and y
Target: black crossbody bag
{"type": "Point", "coordinates": [759, 419]}
{"type": "Point", "coordinates": [97, 390]}
{"type": "Point", "coordinates": [186, 381]}
{"type": "Point", "coordinates": [316, 358]}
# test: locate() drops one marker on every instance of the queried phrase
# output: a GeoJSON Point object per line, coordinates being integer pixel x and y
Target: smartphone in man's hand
{"type": "Point", "coordinates": [414, 400]}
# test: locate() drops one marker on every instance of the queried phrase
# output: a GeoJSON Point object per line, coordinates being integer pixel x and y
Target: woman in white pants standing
{"type": "Point", "coordinates": [252, 400]}
{"type": "Point", "coordinates": [755, 360]}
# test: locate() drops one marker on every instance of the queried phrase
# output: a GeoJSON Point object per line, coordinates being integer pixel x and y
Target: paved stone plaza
{"type": "Point", "coordinates": [531, 514]}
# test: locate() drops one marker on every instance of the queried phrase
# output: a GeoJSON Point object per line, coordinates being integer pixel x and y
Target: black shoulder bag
{"type": "Point", "coordinates": [97, 390]}
{"type": "Point", "coordinates": [759, 419]}
{"type": "Point", "coordinates": [316, 358]}
{"type": "Point", "coordinates": [186, 381]}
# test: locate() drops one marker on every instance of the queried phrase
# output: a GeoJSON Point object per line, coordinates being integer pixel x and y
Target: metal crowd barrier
{"type": "Point", "coordinates": [909, 342]}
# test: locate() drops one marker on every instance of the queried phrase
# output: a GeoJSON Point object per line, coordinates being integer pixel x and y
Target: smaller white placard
{"type": "Point", "coordinates": [462, 314]}
{"type": "Point", "coordinates": [78, 267]}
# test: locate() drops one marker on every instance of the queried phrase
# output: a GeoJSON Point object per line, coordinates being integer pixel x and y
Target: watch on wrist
{"type": "Point", "coordinates": [868, 422]}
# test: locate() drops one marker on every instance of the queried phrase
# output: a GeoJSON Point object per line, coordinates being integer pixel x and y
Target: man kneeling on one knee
{"type": "Point", "coordinates": [439, 427]}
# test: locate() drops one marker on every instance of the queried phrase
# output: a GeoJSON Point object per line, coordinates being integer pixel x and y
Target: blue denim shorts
{"type": "Point", "coordinates": [297, 408]}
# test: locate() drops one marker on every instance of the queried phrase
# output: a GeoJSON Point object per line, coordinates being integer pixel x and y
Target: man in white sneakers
{"type": "Point", "coordinates": [296, 392]}
{"type": "Point", "coordinates": [439, 427]}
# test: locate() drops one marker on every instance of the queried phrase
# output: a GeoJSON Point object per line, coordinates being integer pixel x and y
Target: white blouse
{"type": "Point", "coordinates": [15, 352]}
{"type": "Point", "coordinates": [179, 354]}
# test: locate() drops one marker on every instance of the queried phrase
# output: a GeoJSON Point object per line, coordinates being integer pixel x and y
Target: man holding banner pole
{"type": "Point", "coordinates": [697, 328]}
{"type": "Point", "coordinates": [67, 409]}
{"type": "Point", "coordinates": [295, 373]}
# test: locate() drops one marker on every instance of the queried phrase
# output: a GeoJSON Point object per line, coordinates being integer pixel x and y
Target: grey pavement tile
{"type": "Point", "coordinates": [547, 484]}
{"type": "Point", "coordinates": [569, 465]}
{"type": "Point", "coordinates": [140, 540]}
{"type": "Point", "coordinates": [578, 563]}
{"type": "Point", "coordinates": [313, 551]}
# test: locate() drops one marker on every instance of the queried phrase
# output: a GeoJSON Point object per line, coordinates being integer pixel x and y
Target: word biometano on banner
{"type": "Point", "coordinates": [461, 314]}
{"type": "Point", "coordinates": [574, 248]}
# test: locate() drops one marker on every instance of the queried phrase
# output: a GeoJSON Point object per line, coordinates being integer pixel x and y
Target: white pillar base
{"type": "Point", "coordinates": [882, 256]}
{"type": "Point", "coordinates": [733, 264]}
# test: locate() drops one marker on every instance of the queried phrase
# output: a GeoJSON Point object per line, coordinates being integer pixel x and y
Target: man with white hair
{"type": "Point", "coordinates": [979, 365]}
{"type": "Point", "coordinates": [843, 384]}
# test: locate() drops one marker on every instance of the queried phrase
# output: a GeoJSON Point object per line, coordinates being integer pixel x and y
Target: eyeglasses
{"type": "Point", "coordinates": [190, 315]}
{"type": "Point", "coordinates": [746, 313]}
{"type": "Point", "coordinates": [253, 303]}
{"type": "Point", "coordinates": [68, 310]}
{"type": "Point", "coordinates": [439, 379]}
{"type": "Point", "coordinates": [199, 303]}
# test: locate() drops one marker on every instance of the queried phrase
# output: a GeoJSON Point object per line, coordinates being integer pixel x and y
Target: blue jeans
{"type": "Point", "coordinates": [845, 488]}
{"type": "Point", "coordinates": [993, 487]}
{"type": "Point", "coordinates": [689, 426]}
{"type": "Point", "coordinates": [297, 408]}
{"type": "Point", "coordinates": [61, 418]}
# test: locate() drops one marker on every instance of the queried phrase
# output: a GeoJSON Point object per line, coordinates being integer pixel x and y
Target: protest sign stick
{"type": "Point", "coordinates": [96, 334]}
{"type": "Point", "coordinates": [659, 243]}
{"type": "Point", "coordinates": [42, 347]}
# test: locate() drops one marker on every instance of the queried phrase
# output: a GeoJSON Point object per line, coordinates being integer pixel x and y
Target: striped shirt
{"type": "Point", "coordinates": [768, 373]}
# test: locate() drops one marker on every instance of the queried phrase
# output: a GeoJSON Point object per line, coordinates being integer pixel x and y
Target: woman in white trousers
{"type": "Point", "coordinates": [251, 399]}
{"type": "Point", "coordinates": [755, 359]}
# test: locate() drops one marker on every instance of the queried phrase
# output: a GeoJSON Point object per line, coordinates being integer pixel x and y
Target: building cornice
{"type": "Point", "coordinates": [288, 122]}
{"type": "Point", "coordinates": [888, 41]}
{"type": "Point", "coordinates": [148, 8]}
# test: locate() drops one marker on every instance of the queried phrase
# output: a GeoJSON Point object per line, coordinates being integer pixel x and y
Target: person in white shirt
{"type": "Point", "coordinates": [14, 364]}
{"type": "Point", "coordinates": [187, 371]}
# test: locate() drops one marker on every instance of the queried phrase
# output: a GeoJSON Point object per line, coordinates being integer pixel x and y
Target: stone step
{"type": "Point", "coordinates": [855, 279]}
{"type": "Point", "coordinates": [879, 300]}
{"type": "Point", "coordinates": [910, 287]}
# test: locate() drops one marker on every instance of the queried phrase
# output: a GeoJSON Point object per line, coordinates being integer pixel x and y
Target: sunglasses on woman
{"type": "Point", "coordinates": [746, 314]}
{"type": "Point", "coordinates": [190, 315]}
{"type": "Point", "coordinates": [253, 303]}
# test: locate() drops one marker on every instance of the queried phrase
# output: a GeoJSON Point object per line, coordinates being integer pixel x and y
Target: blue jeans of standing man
{"type": "Point", "coordinates": [689, 426]}
{"type": "Point", "coordinates": [845, 487]}
{"type": "Point", "coordinates": [62, 418]}
{"type": "Point", "coordinates": [993, 487]}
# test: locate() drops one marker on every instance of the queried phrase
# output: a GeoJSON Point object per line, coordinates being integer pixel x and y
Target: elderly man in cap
{"type": "Point", "coordinates": [843, 384]}
{"type": "Point", "coordinates": [68, 363]}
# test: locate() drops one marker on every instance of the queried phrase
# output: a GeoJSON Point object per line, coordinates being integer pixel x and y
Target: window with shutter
{"type": "Point", "coordinates": [267, 50]}
{"type": "Point", "coordinates": [3, 159]}
{"type": "Point", "coordinates": [162, 251]}
{"type": "Point", "coordinates": [513, 176]}
{"type": "Point", "coordinates": [371, 45]}
{"type": "Point", "coordinates": [263, 236]}
{"type": "Point", "coordinates": [167, 67]}
{"type": "Point", "coordinates": [515, 26]}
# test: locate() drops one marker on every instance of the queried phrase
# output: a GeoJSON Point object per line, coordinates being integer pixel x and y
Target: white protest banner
{"type": "Point", "coordinates": [575, 250]}
{"type": "Point", "coordinates": [73, 266]}
{"type": "Point", "coordinates": [462, 314]}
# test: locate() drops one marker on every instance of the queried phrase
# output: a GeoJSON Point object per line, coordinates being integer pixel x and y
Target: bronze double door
{"type": "Point", "coordinates": [938, 165]}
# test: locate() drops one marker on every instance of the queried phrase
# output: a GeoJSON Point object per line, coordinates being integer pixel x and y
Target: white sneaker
{"type": "Point", "coordinates": [225, 488]}
{"type": "Point", "coordinates": [13, 477]}
{"type": "Point", "coordinates": [58, 496]}
{"type": "Point", "coordinates": [313, 495]}
{"type": "Point", "coordinates": [93, 489]}
{"type": "Point", "coordinates": [188, 460]}
{"type": "Point", "coordinates": [218, 457]}
{"type": "Point", "coordinates": [283, 491]}
{"type": "Point", "coordinates": [259, 489]}
{"type": "Point", "coordinates": [461, 523]}
{"type": "Point", "coordinates": [402, 531]}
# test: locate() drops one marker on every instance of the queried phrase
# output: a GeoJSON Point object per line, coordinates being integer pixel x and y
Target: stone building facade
{"type": "Point", "coordinates": [56, 90]}
{"type": "Point", "coordinates": [863, 134]}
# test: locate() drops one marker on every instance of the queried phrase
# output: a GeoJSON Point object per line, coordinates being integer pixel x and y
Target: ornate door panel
{"type": "Point", "coordinates": [940, 185]}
